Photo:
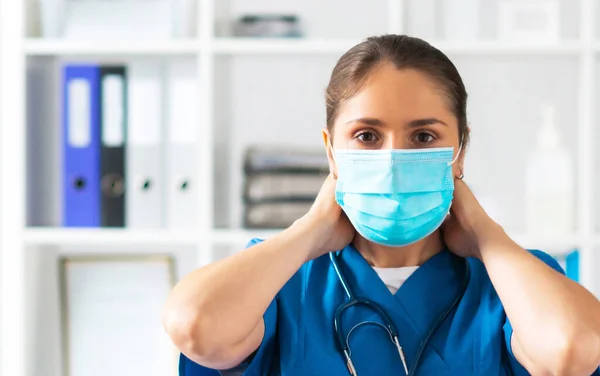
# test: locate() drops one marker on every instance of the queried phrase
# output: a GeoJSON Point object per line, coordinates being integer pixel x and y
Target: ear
{"type": "Point", "coordinates": [328, 148]}
{"type": "Point", "coordinates": [463, 153]}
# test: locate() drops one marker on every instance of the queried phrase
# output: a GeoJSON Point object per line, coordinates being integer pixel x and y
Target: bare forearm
{"type": "Point", "coordinates": [556, 322]}
{"type": "Point", "coordinates": [221, 305]}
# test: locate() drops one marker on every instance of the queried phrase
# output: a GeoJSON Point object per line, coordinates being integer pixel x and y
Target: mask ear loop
{"type": "Point", "coordinates": [459, 178]}
{"type": "Point", "coordinates": [333, 156]}
{"type": "Point", "coordinates": [455, 159]}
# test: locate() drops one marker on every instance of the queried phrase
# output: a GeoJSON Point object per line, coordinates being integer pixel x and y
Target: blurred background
{"type": "Point", "coordinates": [142, 139]}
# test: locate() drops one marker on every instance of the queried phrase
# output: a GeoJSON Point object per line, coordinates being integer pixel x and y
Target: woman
{"type": "Point", "coordinates": [446, 294]}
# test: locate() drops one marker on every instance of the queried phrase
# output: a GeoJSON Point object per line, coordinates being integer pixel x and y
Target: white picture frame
{"type": "Point", "coordinates": [111, 315]}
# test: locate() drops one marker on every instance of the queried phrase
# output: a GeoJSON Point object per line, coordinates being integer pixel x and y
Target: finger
{"type": "Point", "coordinates": [461, 187]}
{"type": "Point", "coordinates": [448, 221]}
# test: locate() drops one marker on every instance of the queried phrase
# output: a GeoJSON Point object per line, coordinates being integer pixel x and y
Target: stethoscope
{"type": "Point", "coordinates": [388, 324]}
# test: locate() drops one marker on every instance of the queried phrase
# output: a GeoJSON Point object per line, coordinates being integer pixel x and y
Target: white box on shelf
{"type": "Point", "coordinates": [529, 20]}
{"type": "Point", "coordinates": [132, 19]}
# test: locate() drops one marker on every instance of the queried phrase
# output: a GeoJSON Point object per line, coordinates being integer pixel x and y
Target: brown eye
{"type": "Point", "coordinates": [367, 137]}
{"type": "Point", "coordinates": [424, 138]}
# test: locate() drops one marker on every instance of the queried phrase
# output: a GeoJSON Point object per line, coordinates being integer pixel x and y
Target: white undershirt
{"type": "Point", "coordinates": [395, 277]}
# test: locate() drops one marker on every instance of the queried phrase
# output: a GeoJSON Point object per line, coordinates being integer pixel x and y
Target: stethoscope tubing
{"type": "Point", "coordinates": [388, 323]}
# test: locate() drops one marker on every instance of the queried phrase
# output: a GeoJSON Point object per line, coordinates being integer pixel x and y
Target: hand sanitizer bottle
{"type": "Point", "coordinates": [549, 182]}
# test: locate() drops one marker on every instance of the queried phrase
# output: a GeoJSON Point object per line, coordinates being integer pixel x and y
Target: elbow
{"type": "Point", "coordinates": [180, 325]}
{"type": "Point", "coordinates": [195, 334]}
{"type": "Point", "coordinates": [188, 330]}
{"type": "Point", "coordinates": [575, 355]}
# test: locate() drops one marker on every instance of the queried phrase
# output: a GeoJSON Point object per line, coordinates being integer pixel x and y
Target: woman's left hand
{"type": "Point", "coordinates": [555, 320]}
{"type": "Point", "coordinates": [468, 226]}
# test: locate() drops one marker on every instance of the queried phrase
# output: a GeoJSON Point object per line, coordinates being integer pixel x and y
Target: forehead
{"type": "Point", "coordinates": [397, 96]}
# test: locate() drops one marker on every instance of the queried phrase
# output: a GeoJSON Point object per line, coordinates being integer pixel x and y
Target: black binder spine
{"type": "Point", "coordinates": [113, 155]}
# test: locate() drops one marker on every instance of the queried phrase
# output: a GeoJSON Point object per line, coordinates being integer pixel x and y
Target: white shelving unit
{"type": "Point", "coordinates": [235, 46]}
{"type": "Point", "coordinates": [43, 47]}
{"type": "Point", "coordinates": [224, 56]}
{"type": "Point", "coordinates": [108, 238]}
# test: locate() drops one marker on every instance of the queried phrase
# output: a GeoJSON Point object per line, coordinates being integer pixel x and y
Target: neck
{"type": "Point", "coordinates": [395, 257]}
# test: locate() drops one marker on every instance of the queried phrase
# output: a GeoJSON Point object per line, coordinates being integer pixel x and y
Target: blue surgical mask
{"type": "Point", "coordinates": [395, 197]}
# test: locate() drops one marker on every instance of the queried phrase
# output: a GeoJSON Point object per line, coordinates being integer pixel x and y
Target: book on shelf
{"type": "Point", "coordinates": [284, 159]}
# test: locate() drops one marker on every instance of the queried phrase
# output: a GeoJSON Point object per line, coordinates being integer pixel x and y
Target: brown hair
{"type": "Point", "coordinates": [404, 52]}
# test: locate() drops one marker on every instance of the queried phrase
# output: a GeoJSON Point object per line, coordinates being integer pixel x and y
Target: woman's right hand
{"type": "Point", "coordinates": [328, 222]}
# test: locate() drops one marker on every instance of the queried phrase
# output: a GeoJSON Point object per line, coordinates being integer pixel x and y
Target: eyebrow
{"type": "Point", "coordinates": [413, 124]}
{"type": "Point", "coordinates": [368, 121]}
{"type": "Point", "coordinates": [422, 122]}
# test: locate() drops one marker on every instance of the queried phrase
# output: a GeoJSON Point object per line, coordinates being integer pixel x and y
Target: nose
{"type": "Point", "coordinates": [394, 140]}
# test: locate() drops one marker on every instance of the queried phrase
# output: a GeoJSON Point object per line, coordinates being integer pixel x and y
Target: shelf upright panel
{"type": "Point", "coordinates": [589, 260]}
{"type": "Point", "coordinates": [12, 189]}
{"type": "Point", "coordinates": [206, 17]}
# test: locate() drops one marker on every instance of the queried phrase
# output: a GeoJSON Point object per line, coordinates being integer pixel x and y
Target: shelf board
{"type": "Point", "coordinates": [241, 46]}
{"type": "Point", "coordinates": [240, 237]}
{"type": "Point", "coordinates": [281, 46]}
{"type": "Point", "coordinates": [57, 236]}
{"type": "Point", "coordinates": [235, 46]}
{"type": "Point", "coordinates": [107, 47]}
{"type": "Point", "coordinates": [554, 246]}
{"type": "Point", "coordinates": [103, 237]}
{"type": "Point", "coordinates": [483, 48]}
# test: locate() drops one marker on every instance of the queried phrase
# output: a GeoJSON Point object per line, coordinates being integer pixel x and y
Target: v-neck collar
{"type": "Point", "coordinates": [421, 299]}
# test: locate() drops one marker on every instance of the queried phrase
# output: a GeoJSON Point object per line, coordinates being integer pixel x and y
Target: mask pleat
{"type": "Point", "coordinates": [395, 207]}
{"type": "Point", "coordinates": [390, 177]}
{"type": "Point", "coordinates": [402, 239]}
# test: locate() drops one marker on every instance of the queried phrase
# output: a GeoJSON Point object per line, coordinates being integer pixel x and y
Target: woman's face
{"type": "Point", "coordinates": [396, 109]}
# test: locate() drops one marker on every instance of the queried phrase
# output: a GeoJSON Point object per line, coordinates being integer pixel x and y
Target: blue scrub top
{"type": "Point", "coordinates": [299, 335]}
